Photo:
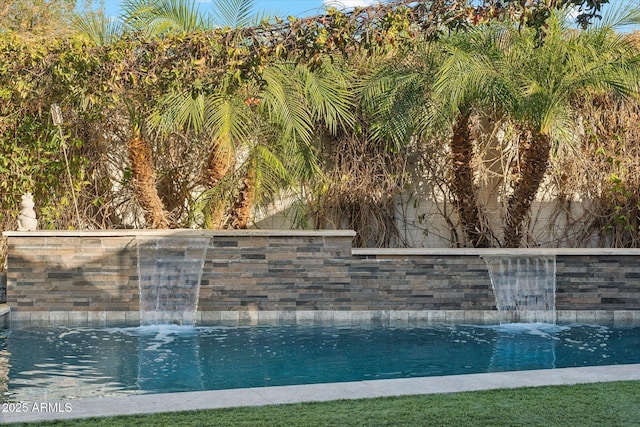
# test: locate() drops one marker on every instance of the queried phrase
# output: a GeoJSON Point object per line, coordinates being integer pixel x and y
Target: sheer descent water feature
{"type": "Point", "coordinates": [169, 272]}
{"type": "Point", "coordinates": [524, 287]}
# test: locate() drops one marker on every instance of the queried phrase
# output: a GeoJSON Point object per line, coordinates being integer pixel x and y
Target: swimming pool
{"type": "Point", "coordinates": [63, 363]}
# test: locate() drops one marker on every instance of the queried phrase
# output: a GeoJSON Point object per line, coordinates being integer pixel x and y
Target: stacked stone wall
{"type": "Point", "coordinates": [288, 271]}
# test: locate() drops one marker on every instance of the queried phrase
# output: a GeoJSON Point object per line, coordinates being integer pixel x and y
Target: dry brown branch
{"type": "Point", "coordinates": [363, 180]}
{"type": "Point", "coordinates": [602, 176]}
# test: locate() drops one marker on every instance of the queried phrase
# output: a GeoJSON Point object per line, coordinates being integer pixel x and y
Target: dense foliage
{"type": "Point", "coordinates": [206, 126]}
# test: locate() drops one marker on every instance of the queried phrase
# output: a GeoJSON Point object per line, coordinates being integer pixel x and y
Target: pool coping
{"type": "Point", "coordinates": [262, 396]}
{"type": "Point", "coordinates": [399, 318]}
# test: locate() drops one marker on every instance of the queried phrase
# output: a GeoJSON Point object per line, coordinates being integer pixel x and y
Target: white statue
{"type": "Point", "coordinates": [27, 217]}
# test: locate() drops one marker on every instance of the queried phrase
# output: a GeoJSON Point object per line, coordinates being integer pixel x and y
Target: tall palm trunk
{"type": "Point", "coordinates": [463, 187]}
{"type": "Point", "coordinates": [244, 205]}
{"type": "Point", "coordinates": [221, 161]}
{"type": "Point", "coordinates": [534, 160]}
{"type": "Point", "coordinates": [144, 181]}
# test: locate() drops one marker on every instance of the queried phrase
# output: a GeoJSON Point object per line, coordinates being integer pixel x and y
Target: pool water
{"type": "Point", "coordinates": [57, 363]}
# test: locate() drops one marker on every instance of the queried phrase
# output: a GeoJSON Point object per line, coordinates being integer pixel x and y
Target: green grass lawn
{"type": "Point", "coordinates": [606, 404]}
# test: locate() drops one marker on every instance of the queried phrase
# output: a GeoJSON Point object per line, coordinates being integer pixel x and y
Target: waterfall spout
{"type": "Point", "coordinates": [524, 287]}
{"type": "Point", "coordinates": [169, 272]}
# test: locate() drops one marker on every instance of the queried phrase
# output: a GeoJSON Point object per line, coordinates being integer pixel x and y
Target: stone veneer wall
{"type": "Point", "coordinates": [98, 271]}
{"type": "Point", "coordinates": [297, 271]}
{"type": "Point", "coordinates": [458, 279]}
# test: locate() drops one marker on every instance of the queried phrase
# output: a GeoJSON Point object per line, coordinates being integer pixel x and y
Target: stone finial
{"type": "Point", "coordinates": [27, 220]}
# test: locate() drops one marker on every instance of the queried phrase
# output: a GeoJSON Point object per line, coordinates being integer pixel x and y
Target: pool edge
{"type": "Point", "coordinates": [5, 316]}
{"type": "Point", "coordinates": [261, 396]}
{"type": "Point", "coordinates": [310, 317]}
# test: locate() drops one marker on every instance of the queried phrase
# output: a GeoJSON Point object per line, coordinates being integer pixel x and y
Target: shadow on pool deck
{"type": "Point", "coordinates": [153, 403]}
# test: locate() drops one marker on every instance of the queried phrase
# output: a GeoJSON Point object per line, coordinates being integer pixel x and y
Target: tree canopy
{"type": "Point", "coordinates": [181, 125]}
{"type": "Point", "coordinates": [37, 19]}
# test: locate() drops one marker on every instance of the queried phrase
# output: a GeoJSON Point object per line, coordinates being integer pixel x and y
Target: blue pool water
{"type": "Point", "coordinates": [59, 363]}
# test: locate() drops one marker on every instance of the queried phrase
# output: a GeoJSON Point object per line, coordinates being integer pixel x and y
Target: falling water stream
{"type": "Point", "coordinates": [524, 287]}
{"type": "Point", "coordinates": [169, 273]}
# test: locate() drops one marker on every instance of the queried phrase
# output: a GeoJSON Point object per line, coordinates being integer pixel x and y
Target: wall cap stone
{"type": "Point", "coordinates": [182, 232]}
{"type": "Point", "coordinates": [504, 252]}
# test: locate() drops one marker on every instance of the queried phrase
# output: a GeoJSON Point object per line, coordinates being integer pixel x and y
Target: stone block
{"type": "Point", "coordinates": [97, 318]}
{"type": "Point", "coordinates": [566, 316]}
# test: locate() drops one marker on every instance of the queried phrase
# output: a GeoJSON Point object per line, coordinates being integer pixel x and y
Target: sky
{"type": "Point", "coordinates": [301, 8]}
{"type": "Point", "coordinates": [281, 8]}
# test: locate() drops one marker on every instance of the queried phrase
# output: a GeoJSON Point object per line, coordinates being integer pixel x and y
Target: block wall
{"type": "Point", "coordinates": [64, 273]}
{"type": "Point", "coordinates": [294, 271]}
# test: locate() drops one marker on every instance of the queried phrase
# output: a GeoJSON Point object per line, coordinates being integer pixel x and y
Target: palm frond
{"type": "Point", "coordinates": [271, 173]}
{"type": "Point", "coordinates": [179, 111]}
{"type": "Point", "coordinates": [619, 16]}
{"type": "Point", "coordinates": [227, 118]}
{"type": "Point", "coordinates": [327, 93]}
{"type": "Point", "coordinates": [284, 104]}
{"type": "Point", "coordinates": [200, 210]}
{"type": "Point", "coordinates": [395, 94]}
{"type": "Point", "coordinates": [235, 13]}
{"type": "Point", "coordinates": [96, 27]}
{"type": "Point", "coordinates": [298, 213]}
{"type": "Point", "coordinates": [302, 161]}
{"type": "Point", "coordinates": [156, 17]}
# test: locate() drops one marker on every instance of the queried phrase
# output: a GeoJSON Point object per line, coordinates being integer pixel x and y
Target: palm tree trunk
{"type": "Point", "coordinates": [534, 160]}
{"type": "Point", "coordinates": [244, 205]}
{"type": "Point", "coordinates": [144, 181]}
{"type": "Point", "coordinates": [220, 162]}
{"type": "Point", "coordinates": [462, 185]}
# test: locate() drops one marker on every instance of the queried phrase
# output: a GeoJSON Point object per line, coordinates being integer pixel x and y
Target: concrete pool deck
{"type": "Point", "coordinates": [261, 396]}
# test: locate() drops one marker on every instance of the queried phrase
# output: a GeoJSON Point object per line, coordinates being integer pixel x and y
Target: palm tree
{"type": "Point", "coordinates": [462, 95]}
{"type": "Point", "coordinates": [505, 73]}
{"type": "Point", "coordinates": [218, 108]}
{"type": "Point", "coordinates": [303, 105]}
{"type": "Point", "coordinates": [263, 133]}
{"type": "Point", "coordinates": [260, 130]}
{"type": "Point", "coordinates": [537, 77]}
{"type": "Point", "coordinates": [414, 98]}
